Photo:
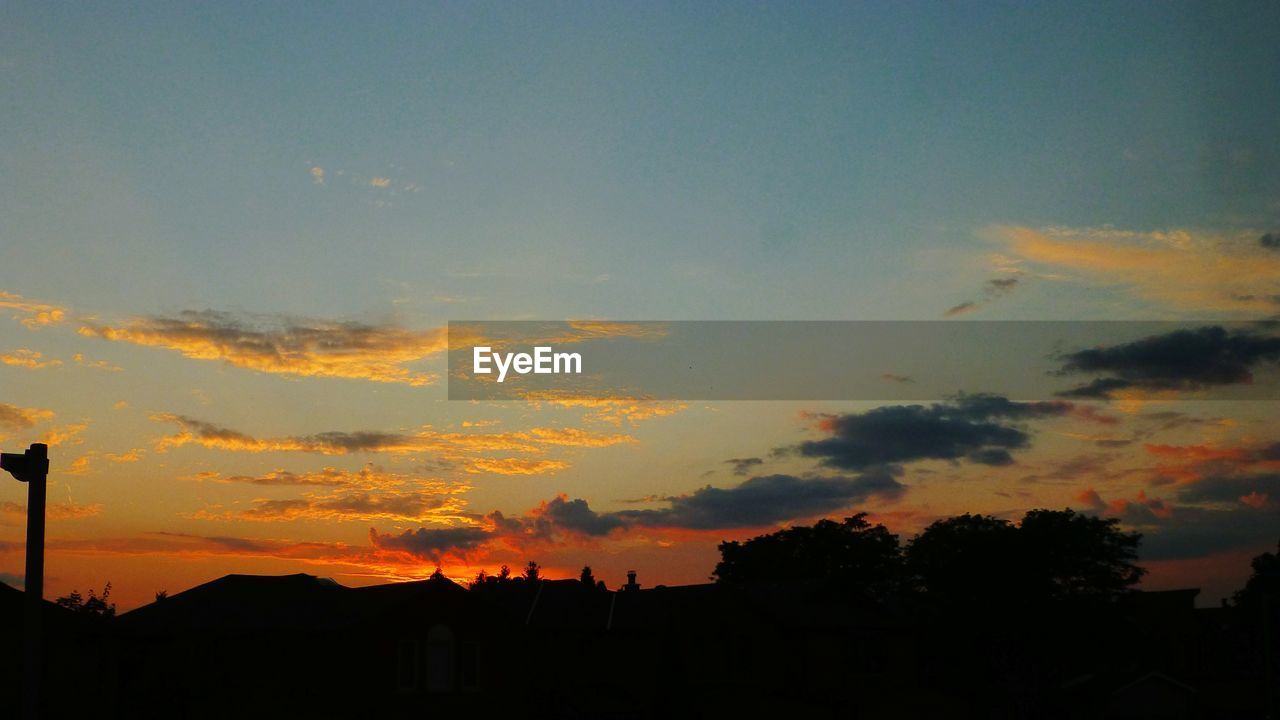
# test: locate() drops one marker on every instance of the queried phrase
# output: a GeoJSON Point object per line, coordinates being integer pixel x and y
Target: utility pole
{"type": "Point", "coordinates": [32, 468]}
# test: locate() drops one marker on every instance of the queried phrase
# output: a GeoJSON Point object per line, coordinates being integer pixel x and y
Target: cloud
{"type": "Point", "coordinates": [15, 581]}
{"type": "Point", "coordinates": [95, 364]}
{"type": "Point", "coordinates": [458, 449]}
{"type": "Point", "coordinates": [1256, 490]}
{"type": "Point", "coordinates": [1182, 360]}
{"type": "Point", "coordinates": [513, 466]}
{"type": "Point", "coordinates": [1179, 268]}
{"type": "Point", "coordinates": [430, 502]}
{"type": "Point", "coordinates": [768, 500]}
{"type": "Point", "coordinates": [317, 175]}
{"type": "Point", "coordinates": [978, 428]}
{"type": "Point", "coordinates": [53, 511]}
{"type": "Point", "coordinates": [430, 543]}
{"type": "Point", "coordinates": [993, 289]}
{"type": "Point", "coordinates": [29, 359]}
{"type": "Point", "coordinates": [380, 182]}
{"type": "Point", "coordinates": [999, 287]}
{"type": "Point", "coordinates": [13, 417]}
{"type": "Point", "coordinates": [757, 502]}
{"type": "Point", "coordinates": [612, 409]}
{"type": "Point", "coordinates": [1271, 241]}
{"type": "Point", "coordinates": [742, 466]}
{"type": "Point", "coordinates": [31, 313]}
{"type": "Point", "coordinates": [1206, 517]}
{"type": "Point", "coordinates": [189, 545]}
{"type": "Point", "coordinates": [894, 377]}
{"type": "Point", "coordinates": [133, 455]}
{"type": "Point", "coordinates": [368, 477]}
{"type": "Point", "coordinates": [308, 348]}
{"type": "Point", "coordinates": [553, 519]}
{"type": "Point", "coordinates": [64, 435]}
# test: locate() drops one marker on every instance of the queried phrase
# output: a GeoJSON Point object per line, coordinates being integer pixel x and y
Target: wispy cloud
{"type": "Point", "coordinates": [1184, 269]}
{"type": "Point", "coordinates": [430, 502]}
{"type": "Point", "coordinates": [29, 359]}
{"type": "Point", "coordinates": [612, 409]}
{"type": "Point", "coordinates": [53, 511]}
{"type": "Point", "coordinates": [13, 417]}
{"type": "Point", "coordinates": [466, 452]}
{"type": "Point", "coordinates": [368, 477]}
{"type": "Point", "coordinates": [309, 348]}
{"type": "Point", "coordinates": [993, 289]}
{"type": "Point", "coordinates": [32, 313]}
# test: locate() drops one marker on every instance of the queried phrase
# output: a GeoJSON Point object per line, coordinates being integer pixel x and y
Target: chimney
{"type": "Point", "coordinates": [631, 582]}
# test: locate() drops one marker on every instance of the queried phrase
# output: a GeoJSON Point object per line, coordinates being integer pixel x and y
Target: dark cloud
{"type": "Point", "coordinates": [742, 466]}
{"type": "Point", "coordinates": [431, 544]}
{"type": "Point", "coordinates": [1271, 241]}
{"type": "Point", "coordinates": [1192, 532]}
{"type": "Point", "coordinates": [1264, 487]}
{"type": "Point", "coordinates": [978, 428]}
{"type": "Point", "coordinates": [1211, 516]}
{"type": "Point", "coordinates": [12, 580]}
{"type": "Point", "coordinates": [1180, 360]}
{"type": "Point", "coordinates": [768, 499]}
{"type": "Point", "coordinates": [1000, 286]}
{"type": "Point", "coordinates": [993, 289]}
{"type": "Point", "coordinates": [962, 308]}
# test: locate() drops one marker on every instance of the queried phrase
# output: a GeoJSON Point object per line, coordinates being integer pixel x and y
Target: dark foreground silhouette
{"type": "Point", "coordinates": [974, 618]}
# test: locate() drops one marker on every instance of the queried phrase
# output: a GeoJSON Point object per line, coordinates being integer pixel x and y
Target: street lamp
{"type": "Point", "coordinates": [32, 468]}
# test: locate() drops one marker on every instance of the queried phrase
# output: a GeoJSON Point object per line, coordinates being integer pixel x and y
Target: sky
{"type": "Point", "coordinates": [231, 237]}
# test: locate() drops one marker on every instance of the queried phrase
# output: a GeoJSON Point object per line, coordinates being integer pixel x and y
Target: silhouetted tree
{"type": "Point", "coordinates": [438, 575]}
{"type": "Point", "coordinates": [852, 554]}
{"type": "Point", "coordinates": [586, 578]}
{"type": "Point", "coordinates": [94, 605]}
{"type": "Point", "coordinates": [1263, 585]}
{"type": "Point", "coordinates": [1050, 554]}
{"type": "Point", "coordinates": [532, 571]}
{"type": "Point", "coordinates": [1080, 555]}
{"type": "Point", "coordinates": [963, 558]}
{"type": "Point", "coordinates": [162, 595]}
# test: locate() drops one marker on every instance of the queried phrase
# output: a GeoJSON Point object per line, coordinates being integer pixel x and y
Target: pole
{"type": "Point", "coordinates": [36, 474]}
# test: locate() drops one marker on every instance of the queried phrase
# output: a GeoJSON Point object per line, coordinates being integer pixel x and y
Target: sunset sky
{"type": "Point", "coordinates": [231, 238]}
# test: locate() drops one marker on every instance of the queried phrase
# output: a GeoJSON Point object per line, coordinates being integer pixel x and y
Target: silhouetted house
{"type": "Point", "coordinates": [1148, 695]}
{"type": "Point", "coordinates": [74, 659]}
{"type": "Point", "coordinates": [299, 645]}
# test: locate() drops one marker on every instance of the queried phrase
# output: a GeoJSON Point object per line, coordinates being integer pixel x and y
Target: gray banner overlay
{"type": "Point", "coordinates": [857, 360]}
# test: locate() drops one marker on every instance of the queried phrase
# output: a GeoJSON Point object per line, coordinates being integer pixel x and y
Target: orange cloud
{"type": "Point", "coordinates": [436, 502]}
{"type": "Point", "coordinates": [13, 417]}
{"type": "Point", "coordinates": [64, 434]}
{"type": "Point", "coordinates": [198, 432]}
{"type": "Point", "coordinates": [461, 450]}
{"type": "Point", "coordinates": [1181, 268]}
{"type": "Point", "coordinates": [308, 348]}
{"type": "Point", "coordinates": [31, 313]}
{"type": "Point", "coordinates": [512, 466]}
{"type": "Point", "coordinates": [28, 359]}
{"type": "Point", "coordinates": [133, 455]}
{"type": "Point", "coordinates": [52, 512]}
{"type": "Point", "coordinates": [607, 408]}
{"type": "Point", "coordinates": [368, 477]}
